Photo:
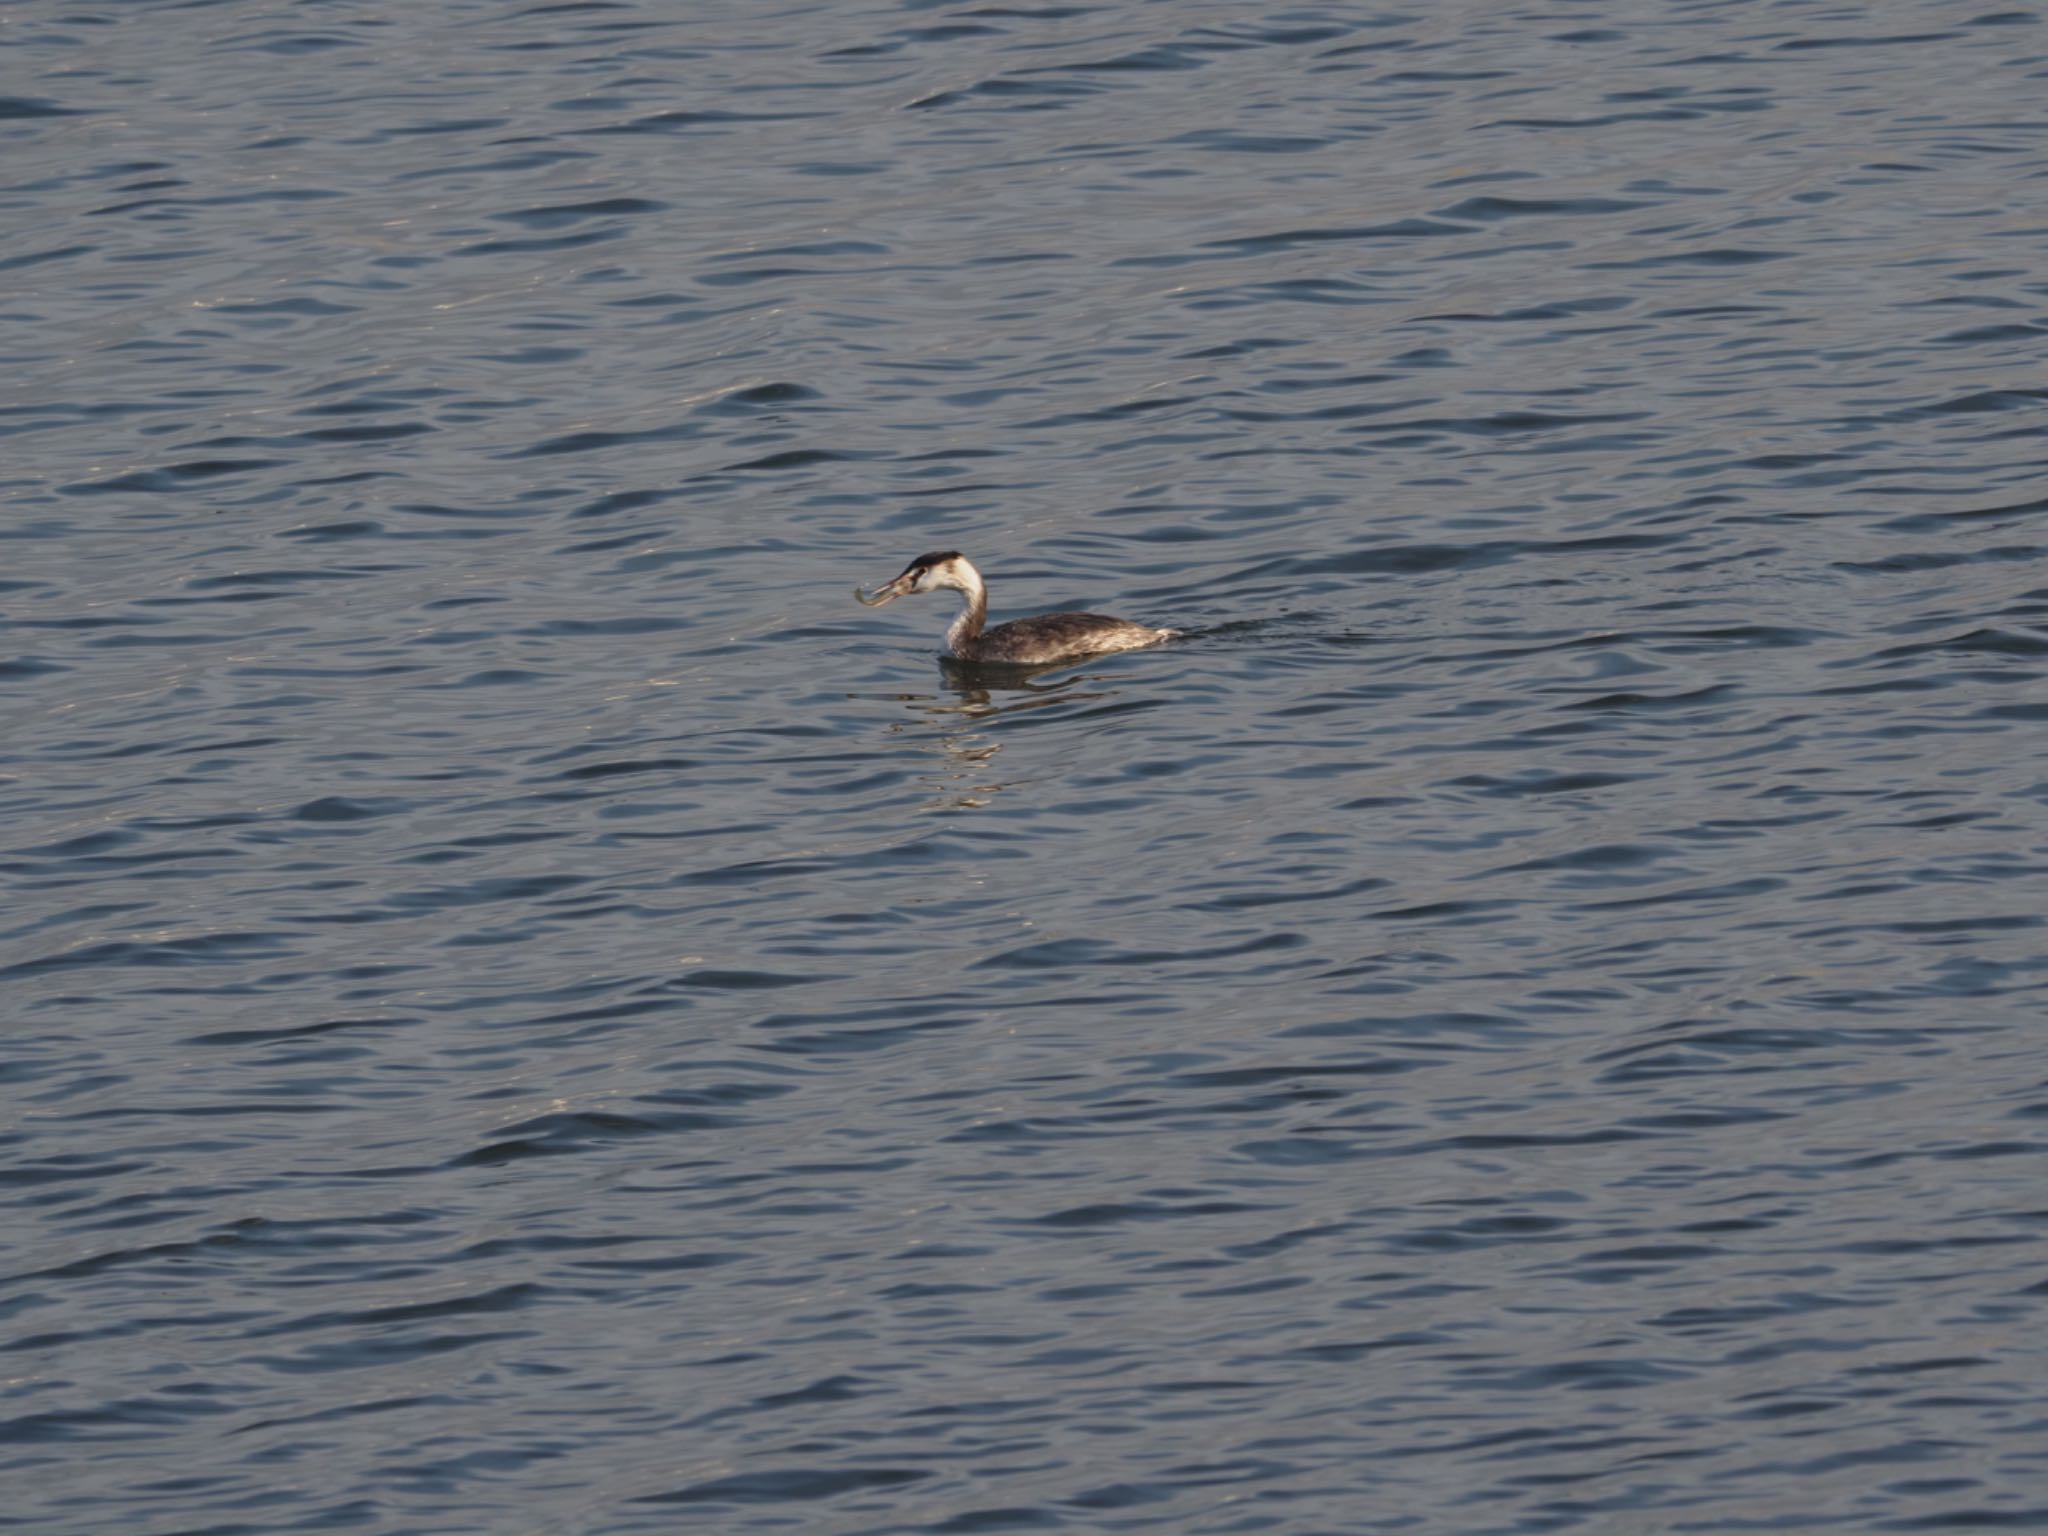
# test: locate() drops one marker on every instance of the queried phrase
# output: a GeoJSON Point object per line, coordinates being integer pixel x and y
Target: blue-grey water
{"type": "Point", "coordinates": [528, 1010]}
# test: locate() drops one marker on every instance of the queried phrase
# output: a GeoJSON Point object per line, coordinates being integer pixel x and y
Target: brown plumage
{"type": "Point", "coordinates": [1021, 642]}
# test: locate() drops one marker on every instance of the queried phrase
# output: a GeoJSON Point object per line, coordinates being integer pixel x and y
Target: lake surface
{"type": "Point", "coordinates": [528, 1010]}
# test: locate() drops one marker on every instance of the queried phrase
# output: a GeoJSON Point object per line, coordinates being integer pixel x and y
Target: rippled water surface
{"type": "Point", "coordinates": [529, 1010]}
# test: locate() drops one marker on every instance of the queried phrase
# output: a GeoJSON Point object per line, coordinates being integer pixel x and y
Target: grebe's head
{"type": "Point", "coordinates": [927, 573]}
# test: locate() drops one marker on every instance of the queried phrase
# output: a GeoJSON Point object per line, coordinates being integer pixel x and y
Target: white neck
{"type": "Point", "coordinates": [973, 609]}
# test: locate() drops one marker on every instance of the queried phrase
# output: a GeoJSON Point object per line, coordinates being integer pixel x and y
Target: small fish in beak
{"type": "Point", "coordinates": [888, 592]}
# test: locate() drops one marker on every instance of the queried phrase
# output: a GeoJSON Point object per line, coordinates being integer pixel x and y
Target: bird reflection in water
{"type": "Point", "coordinates": [981, 693]}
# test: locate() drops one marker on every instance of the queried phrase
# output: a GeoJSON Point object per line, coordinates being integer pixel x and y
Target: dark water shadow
{"type": "Point", "coordinates": [976, 683]}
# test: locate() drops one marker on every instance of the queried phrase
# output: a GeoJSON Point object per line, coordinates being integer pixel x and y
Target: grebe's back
{"type": "Point", "coordinates": [1021, 642]}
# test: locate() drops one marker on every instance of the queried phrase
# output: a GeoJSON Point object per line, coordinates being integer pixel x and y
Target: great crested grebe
{"type": "Point", "coordinates": [1022, 642]}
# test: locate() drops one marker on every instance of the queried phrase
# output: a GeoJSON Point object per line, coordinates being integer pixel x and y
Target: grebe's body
{"type": "Point", "coordinates": [1035, 642]}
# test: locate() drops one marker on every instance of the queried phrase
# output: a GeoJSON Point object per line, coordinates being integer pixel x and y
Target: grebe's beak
{"type": "Point", "coordinates": [888, 592]}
